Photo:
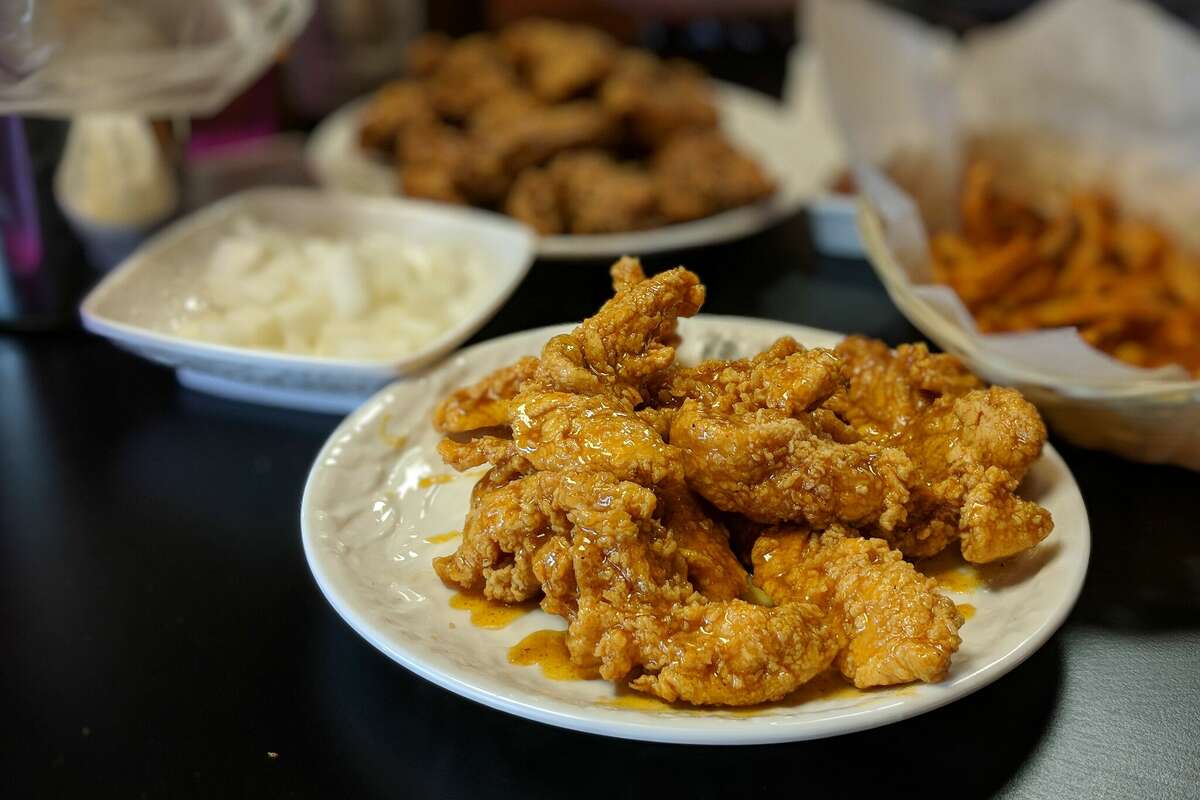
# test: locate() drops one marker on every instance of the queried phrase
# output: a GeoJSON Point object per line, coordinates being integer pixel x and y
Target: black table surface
{"type": "Point", "coordinates": [161, 635]}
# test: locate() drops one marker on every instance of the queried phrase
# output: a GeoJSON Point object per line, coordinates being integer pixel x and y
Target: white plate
{"type": "Point", "coordinates": [135, 305]}
{"type": "Point", "coordinates": [365, 518]}
{"type": "Point", "coordinates": [762, 127]}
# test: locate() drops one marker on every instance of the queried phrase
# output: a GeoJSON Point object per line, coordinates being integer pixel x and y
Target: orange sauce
{"type": "Point", "coordinates": [489, 613]}
{"type": "Point", "coordinates": [967, 610]}
{"type": "Point", "coordinates": [443, 537]}
{"type": "Point", "coordinates": [951, 572]}
{"type": "Point", "coordinates": [548, 649]}
{"type": "Point", "coordinates": [433, 480]}
{"type": "Point", "coordinates": [829, 685]}
{"type": "Point", "coordinates": [396, 442]}
{"type": "Point", "coordinates": [637, 702]}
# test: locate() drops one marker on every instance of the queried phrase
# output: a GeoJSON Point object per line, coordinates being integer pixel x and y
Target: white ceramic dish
{"type": "Point", "coordinates": [136, 303]}
{"type": "Point", "coordinates": [1151, 421]}
{"type": "Point", "coordinates": [763, 127]}
{"type": "Point", "coordinates": [366, 516]}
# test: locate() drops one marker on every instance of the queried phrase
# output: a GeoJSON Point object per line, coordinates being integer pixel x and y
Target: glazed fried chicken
{"type": "Point", "coordinates": [772, 467]}
{"type": "Point", "coordinates": [900, 443]}
{"type": "Point", "coordinates": [898, 627]}
{"type": "Point", "coordinates": [624, 486]}
{"type": "Point", "coordinates": [970, 448]}
{"type": "Point", "coordinates": [639, 619]}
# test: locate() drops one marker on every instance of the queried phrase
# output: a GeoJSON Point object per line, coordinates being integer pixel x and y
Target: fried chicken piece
{"type": "Point", "coordinates": [698, 174]}
{"type": "Point", "coordinates": [704, 543]}
{"type": "Point", "coordinates": [638, 613]}
{"type": "Point", "coordinates": [970, 453]}
{"type": "Point", "coordinates": [448, 165]}
{"type": "Point", "coordinates": [392, 109]}
{"type": "Point", "coordinates": [966, 444]}
{"type": "Point", "coordinates": [485, 403]}
{"type": "Point", "coordinates": [899, 628]}
{"type": "Point", "coordinates": [534, 138]}
{"type": "Point", "coordinates": [627, 341]}
{"type": "Point", "coordinates": [583, 192]}
{"type": "Point", "coordinates": [559, 430]}
{"type": "Point", "coordinates": [425, 53]}
{"type": "Point", "coordinates": [886, 389]}
{"type": "Point", "coordinates": [472, 70]}
{"type": "Point", "coordinates": [534, 200]}
{"type": "Point", "coordinates": [558, 60]}
{"type": "Point", "coordinates": [482, 448]}
{"type": "Point", "coordinates": [511, 518]}
{"type": "Point", "coordinates": [501, 109]}
{"type": "Point", "coordinates": [773, 467]}
{"type": "Point", "coordinates": [599, 195]}
{"type": "Point", "coordinates": [575, 407]}
{"type": "Point", "coordinates": [733, 653]}
{"type": "Point", "coordinates": [785, 376]}
{"type": "Point", "coordinates": [657, 100]}
{"type": "Point", "coordinates": [430, 156]}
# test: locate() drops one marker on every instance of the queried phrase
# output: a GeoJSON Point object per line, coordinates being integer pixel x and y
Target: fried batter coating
{"type": "Point", "coordinates": [899, 628]}
{"type": "Point", "coordinates": [556, 59]}
{"type": "Point", "coordinates": [701, 173]}
{"type": "Point", "coordinates": [638, 613]}
{"type": "Point", "coordinates": [598, 445]}
{"type": "Point", "coordinates": [785, 376]}
{"type": "Point", "coordinates": [627, 341]}
{"type": "Point", "coordinates": [533, 200]}
{"type": "Point", "coordinates": [560, 430]}
{"type": "Point", "coordinates": [501, 109]}
{"type": "Point", "coordinates": [599, 195]}
{"type": "Point", "coordinates": [711, 566]}
{"type": "Point", "coordinates": [972, 450]}
{"type": "Point", "coordinates": [534, 138]}
{"type": "Point", "coordinates": [773, 467]}
{"type": "Point", "coordinates": [511, 518]}
{"type": "Point", "coordinates": [425, 53]}
{"type": "Point", "coordinates": [467, 74]}
{"type": "Point", "coordinates": [965, 443]}
{"type": "Point", "coordinates": [886, 389]}
{"type": "Point", "coordinates": [391, 110]}
{"type": "Point", "coordinates": [657, 100]}
{"type": "Point", "coordinates": [485, 403]}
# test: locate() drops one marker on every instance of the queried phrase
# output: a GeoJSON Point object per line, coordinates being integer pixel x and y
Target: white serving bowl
{"type": "Point", "coordinates": [1151, 421]}
{"type": "Point", "coordinates": [136, 304]}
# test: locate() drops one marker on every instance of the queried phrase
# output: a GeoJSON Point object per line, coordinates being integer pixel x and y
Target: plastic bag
{"type": "Point", "coordinates": [152, 57]}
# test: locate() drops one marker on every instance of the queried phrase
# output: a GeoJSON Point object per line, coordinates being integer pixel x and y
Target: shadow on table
{"type": "Point", "coordinates": [1144, 574]}
{"type": "Point", "coordinates": [400, 736]}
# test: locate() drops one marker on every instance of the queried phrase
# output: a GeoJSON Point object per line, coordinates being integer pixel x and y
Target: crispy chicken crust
{"type": "Point", "coordinates": [629, 492]}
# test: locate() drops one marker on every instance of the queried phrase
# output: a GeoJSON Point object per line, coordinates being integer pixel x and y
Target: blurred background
{"type": "Point", "coordinates": [345, 49]}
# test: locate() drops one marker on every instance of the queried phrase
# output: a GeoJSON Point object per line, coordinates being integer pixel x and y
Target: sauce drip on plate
{"type": "Point", "coordinates": [967, 610]}
{"type": "Point", "coordinates": [443, 537]}
{"type": "Point", "coordinates": [433, 480]}
{"type": "Point", "coordinates": [548, 649]}
{"type": "Point", "coordinates": [488, 613]}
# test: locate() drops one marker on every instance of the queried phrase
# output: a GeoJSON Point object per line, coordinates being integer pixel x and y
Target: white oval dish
{"type": "Point", "coordinates": [764, 128]}
{"type": "Point", "coordinates": [366, 516]}
{"type": "Point", "coordinates": [136, 303]}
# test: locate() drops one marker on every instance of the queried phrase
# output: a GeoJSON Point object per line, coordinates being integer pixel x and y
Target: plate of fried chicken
{"type": "Point", "coordinates": [600, 148]}
{"type": "Point", "coordinates": [697, 529]}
